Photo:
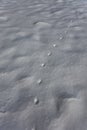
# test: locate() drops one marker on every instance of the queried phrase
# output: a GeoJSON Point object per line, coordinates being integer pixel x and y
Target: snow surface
{"type": "Point", "coordinates": [43, 64]}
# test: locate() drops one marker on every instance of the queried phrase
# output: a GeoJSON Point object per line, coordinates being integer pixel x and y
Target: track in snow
{"type": "Point", "coordinates": [43, 65]}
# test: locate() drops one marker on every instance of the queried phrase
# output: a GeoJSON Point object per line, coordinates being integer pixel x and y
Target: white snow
{"type": "Point", "coordinates": [43, 65]}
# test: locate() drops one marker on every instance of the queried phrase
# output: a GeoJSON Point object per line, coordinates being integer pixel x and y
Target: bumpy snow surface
{"type": "Point", "coordinates": [43, 64]}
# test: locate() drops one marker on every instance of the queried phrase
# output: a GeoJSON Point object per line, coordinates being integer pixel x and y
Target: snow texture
{"type": "Point", "coordinates": [43, 65]}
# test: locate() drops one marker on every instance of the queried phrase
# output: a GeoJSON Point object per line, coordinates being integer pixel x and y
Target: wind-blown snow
{"type": "Point", "coordinates": [43, 65]}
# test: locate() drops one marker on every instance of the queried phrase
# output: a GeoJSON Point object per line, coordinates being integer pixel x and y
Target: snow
{"type": "Point", "coordinates": [43, 64]}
